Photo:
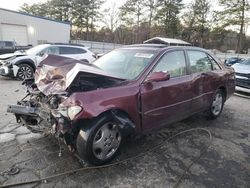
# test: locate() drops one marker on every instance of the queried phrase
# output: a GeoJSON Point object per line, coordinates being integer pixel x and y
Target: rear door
{"type": "Point", "coordinates": [167, 101]}
{"type": "Point", "coordinates": [206, 78]}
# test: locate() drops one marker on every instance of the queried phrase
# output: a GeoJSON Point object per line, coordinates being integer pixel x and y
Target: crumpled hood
{"type": "Point", "coordinates": [11, 55]}
{"type": "Point", "coordinates": [241, 68]}
{"type": "Point", "coordinates": [56, 73]}
{"type": "Point", "coordinates": [6, 56]}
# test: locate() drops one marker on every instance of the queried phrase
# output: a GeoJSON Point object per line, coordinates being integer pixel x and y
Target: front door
{"type": "Point", "coordinates": [164, 102]}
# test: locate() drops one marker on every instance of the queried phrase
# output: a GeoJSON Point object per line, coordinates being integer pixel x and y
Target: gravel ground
{"type": "Point", "coordinates": [225, 164]}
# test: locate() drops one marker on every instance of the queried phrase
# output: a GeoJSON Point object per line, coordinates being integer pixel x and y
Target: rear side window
{"type": "Point", "coordinates": [174, 63]}
{"type": "Point", "coordinates": [199, 61]}
{"type": "Point", "coordinates": [71, 50]}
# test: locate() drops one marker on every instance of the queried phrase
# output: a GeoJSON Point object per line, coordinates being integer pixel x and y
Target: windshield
{"type": "Point", "coordinates": [125, 63]}
{"type": "Point", "coordinates": [246, 62]}
{"type": "Point", "coordinates": [37, 49]}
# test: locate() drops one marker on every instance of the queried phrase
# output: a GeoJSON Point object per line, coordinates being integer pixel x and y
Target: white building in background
{"type": "Point", "coordinates": [27, 29]}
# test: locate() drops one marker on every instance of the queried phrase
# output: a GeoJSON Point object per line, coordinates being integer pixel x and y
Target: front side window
{"type": "Point", "coordinates": [199, 61]}
{"type": "Point", "coordinates": [174, 63]}
{"type": "Point", "coordinates": [53, 50]}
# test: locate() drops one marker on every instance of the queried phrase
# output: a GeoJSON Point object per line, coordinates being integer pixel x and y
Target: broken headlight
{"type": "Point", "coordinates": [6, 63]}
{"type": "Point", "coordinates": [69, 112]}
{"type": "Point", "coordinates": [73, 111]}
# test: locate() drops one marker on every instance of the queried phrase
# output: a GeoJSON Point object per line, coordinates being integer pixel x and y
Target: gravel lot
{"type": "Point", "coordinates": [225, 164]}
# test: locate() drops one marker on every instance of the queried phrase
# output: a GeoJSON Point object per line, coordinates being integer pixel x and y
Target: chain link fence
{"type": "Point", "coordinates": [97, 47]}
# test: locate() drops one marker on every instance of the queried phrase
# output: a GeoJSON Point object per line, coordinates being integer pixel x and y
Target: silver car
{"type": "Point", "coordinates": [242, 71]}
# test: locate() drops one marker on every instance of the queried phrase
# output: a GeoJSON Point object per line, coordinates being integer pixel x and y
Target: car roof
{"type": "Point", "coordinates": [168, 41]}
{"type": "Point", "coordinates": [161, 47]}
{"type": "Point", "coordinates": [67, 45]}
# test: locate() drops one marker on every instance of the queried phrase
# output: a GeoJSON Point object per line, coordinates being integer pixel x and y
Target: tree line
{"type": "Point", "coordinates": [138, 20]}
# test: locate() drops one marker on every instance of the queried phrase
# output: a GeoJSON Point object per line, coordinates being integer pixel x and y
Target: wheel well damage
{"type": "Point", "coordinates": [120, 117]}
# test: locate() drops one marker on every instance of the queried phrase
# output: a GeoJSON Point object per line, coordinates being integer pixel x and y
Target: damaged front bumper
{"type": "Point", "coordinates": [6, 71]}
{"type": "Point", "coordinates": [9, 70]}
{"type": "Point", "coordinates": [23, 110]}
{"type": "Point", "coordinates": [49, 118]}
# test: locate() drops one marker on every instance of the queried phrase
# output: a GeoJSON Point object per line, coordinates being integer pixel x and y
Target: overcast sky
{"type": "Point", "coordinates": [15, 4]}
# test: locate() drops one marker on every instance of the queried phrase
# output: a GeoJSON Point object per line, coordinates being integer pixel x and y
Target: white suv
{"type": "Point", "coordinates": [23, 64]}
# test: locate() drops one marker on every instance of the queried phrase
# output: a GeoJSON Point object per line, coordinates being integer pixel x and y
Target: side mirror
{"type": "Point", "coordinates": [41, 54]}
{"type": "Point", "coordinates": [158, 77]}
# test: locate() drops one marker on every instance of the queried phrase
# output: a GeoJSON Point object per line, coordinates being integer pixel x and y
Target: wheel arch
{"type": "Point", "coordinates": [120, 116]}
{"type": "Point", "coordinates": [28, 62]}
{"type": "Point", "coordinates": [224, 90]}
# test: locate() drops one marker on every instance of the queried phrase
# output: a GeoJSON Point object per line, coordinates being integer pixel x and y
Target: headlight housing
{"type": "Point", "coordinates": [7, 63]}
{"type": "Point", "coordinates": [73, 111]}
{"type": "Point", "coordinates": [68, 111]}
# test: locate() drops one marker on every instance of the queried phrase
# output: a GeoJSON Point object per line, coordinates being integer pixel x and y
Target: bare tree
{"type": "Point", "coordinates": [234, 14]}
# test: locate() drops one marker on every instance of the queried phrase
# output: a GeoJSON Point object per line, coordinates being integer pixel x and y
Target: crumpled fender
{"type": "Point", "coordinates": [126, 125]}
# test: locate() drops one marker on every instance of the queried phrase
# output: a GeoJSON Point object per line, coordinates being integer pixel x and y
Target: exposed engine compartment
{"type": "Point", "coordinates": [87, 82]}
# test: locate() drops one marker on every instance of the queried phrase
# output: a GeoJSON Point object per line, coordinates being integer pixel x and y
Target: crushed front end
{"type": "Point", "coordinates": [46, 107]}
{"type": "Point", "coordinates": [46, 114]}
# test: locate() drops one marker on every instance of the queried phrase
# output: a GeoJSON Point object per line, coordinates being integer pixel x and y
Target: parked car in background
{"type": "Point", "coordinates": [232, 60]}
{"type": "Point", "coordinates": [11, 47]}
{"type": "Point", "coordinates": [134, 89]}
{"type": "Point", "coordinates": [242, 71]}
{"type": "Point", "coordinates": [22, 65]}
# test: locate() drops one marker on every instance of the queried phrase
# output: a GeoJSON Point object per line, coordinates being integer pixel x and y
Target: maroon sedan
{"type": "Point", "coordinates": [133, 89]}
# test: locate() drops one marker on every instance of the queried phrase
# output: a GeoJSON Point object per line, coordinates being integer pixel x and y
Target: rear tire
{"type": "Point", "coordinates": [25, 71]}
{"type": "Point", "coordinates": [216, 105]}
{"type": "Point", "coordinates": [100, 143]}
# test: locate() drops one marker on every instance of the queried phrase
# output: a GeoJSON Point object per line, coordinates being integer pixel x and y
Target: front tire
{"type": "Point", "coordinates": [101, 142]}
{"type": "Point", "coordinates": [216, 105]}
{"type": "Point", "coordinates": [25, 71]}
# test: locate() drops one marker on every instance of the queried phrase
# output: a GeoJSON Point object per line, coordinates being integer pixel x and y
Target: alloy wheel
{"type": "Point", "coordinates": [25, 72]}
{"type": "Point", "coordinates": [217, 104]}
{"type": "Point", "coordinates": [106, 141]}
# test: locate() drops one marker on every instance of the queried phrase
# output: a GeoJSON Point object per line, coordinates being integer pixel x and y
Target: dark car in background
{"type": "Point", "coordinates": [242, 71]}
{"type": "Point", "coordinates": [232, 60]}
{"type": "Point", "coordinates": [11, 47]}
{"type": "Point", "coordinates": [134, 89]}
